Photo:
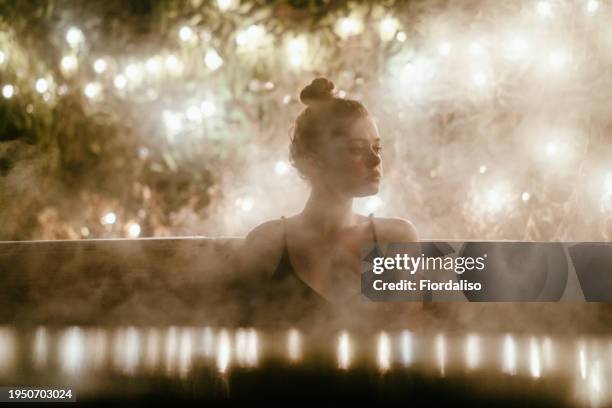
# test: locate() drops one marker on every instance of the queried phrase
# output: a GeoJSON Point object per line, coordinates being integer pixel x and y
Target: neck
{"type": "Point", "coordinates": [328, 210]}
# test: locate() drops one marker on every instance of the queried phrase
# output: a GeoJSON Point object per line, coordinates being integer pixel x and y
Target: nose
{"type": "Point", "coordinates": [374, 159]}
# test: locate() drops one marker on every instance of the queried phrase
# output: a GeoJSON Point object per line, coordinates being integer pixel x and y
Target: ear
{"type": "Point", "coordinates": [312, 164]}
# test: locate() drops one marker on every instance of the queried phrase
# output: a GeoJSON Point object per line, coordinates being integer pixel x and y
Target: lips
{"type": "Point", "coordinates": [375, 176]}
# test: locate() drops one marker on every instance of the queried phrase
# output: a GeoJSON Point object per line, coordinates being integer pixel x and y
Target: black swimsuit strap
{"type": "Point", "coordinates": [284, 230]}
{"type": "Point", "coordinates": [373, 227]}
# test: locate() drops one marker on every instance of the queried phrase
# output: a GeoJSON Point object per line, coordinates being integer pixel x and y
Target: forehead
{"type": "Point", "coordinates": [362, 129]}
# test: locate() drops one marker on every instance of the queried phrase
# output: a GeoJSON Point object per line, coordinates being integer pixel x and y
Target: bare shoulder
{"type": "Point", "coordinates": [395, 229]}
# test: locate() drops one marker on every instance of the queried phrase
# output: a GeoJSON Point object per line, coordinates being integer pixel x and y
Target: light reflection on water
{"type": "Point", "coordinates": [176, 351]}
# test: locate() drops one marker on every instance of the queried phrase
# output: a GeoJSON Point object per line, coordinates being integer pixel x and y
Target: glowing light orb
{"type": "Point", "coordinates": [72, 351]}
{"type": "Point", "coordinates": [476, 48]}
{"type": "Point", "coordinates": [208, 108]}
{"type": "Point", "coordinates": [245, 204]}
{"type": "Point", "coordinates": [225, 5]}
{"type": "Point", "coordinates": [173, 122]}
{"type": "Point", "coordinates": [348, 27]}
{"type": "Point", "coordinates": [133, 72]}
{"type": "Point", "coordinates": [186, 33]}
{"type": "Point", "coordinates": [482, 169]}
{"type": "Point", "coordinates": [173, 65]}
{"type": "Point", "coordinates": [558, 59]}
{"type": "Point", "coordinates": [401, 36]}
{"type": "Point", "coordinates": [297, 49]}
{"type": "Point", "coordinates": [251, 37]}
{"type": "Point", "coordinates": [544, 8]}
{"type": "Point", "coordinates": [388, 28]}
{"type": "Point", "coordinates": [551, 149]}
{"type": "Point", "coordinates": [406, 346]}
{"type": "Point", "coordinates": [133, 229]}
{"type": "Point", "coordinates": [582, 360]}
{"type": "Point", "coordinates": [8, 91]}
{"type": "Point", "coordinates": [509, 356]}
{"type": "Point", "coordinates": [74, 36]}
{"type": "Point", "coordinates": [444, 49]}
{"type": "Point", "coordinates": [223, 351]}
{"type": "Point", "coordinates": [592, 6]}
{"type": "Point", "coordinates": [373, 203]}
{"type": "Point", "coordinates": [42, 85]}
{"type": "Point", "coordinates": [440, 345]}
{"type": "Point", "coordinates": [40, 349]}
{"type": "Point", "coordinates": [281, 167]}
{"type": "Point", "coordinates": [109, 218]}
{"type": "Point", "coordinates": [344, 351]}
{"type": "Point", "coordinates": [153, 65]}
{"type": "Point", "coordinates": [193, 114]}
{"type": "Point", "coordinates": [384, 352]}
{"type": "Point", "coordinates": [213, 60]}
{"type": "Point", "coordinates": [525, 196]}
{"type": "Point", "coordinates": [294, 345]}
{"type": "Point", "coordinates": [69, 64]}
{"type": "Point", "coordinates": [100, 66]}
{"type": "Point", "coordinates": [535, 366]}
{"type": "Point", "coordinates": [517, 47]}
{"type": "Point", "coordinates": [472, 351]}
{"type": "Point", "coordinates": [120, 81]}
{"type": "Point", "coordinates": [92, 90]}
{"type": "Point", "coordinates": [480, 79]}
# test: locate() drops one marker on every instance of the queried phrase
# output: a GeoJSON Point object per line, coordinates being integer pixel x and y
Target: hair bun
{"type": "Point", "coordinates": [319, 90]}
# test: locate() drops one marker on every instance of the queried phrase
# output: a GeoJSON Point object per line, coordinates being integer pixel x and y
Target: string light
{"type": "Point", "coordinates": [133, 229]}
{"type": "Point", "coordinates": [479, 79]}
{"type": "Point", "coordinates": [133, 72]}
{"type": "Point", "coordinates": [109, 218]}
{"type": "Point", "coordinates": [444, 49]}
{"type": "Point", "coordinates": [296, 49]}
{"type": "Point", "coordinates": [517, 47]}
{"type": "Point", "coordinates": [592, 6]}
{"type": "Point", "coordinates": [92, 90]}
{"type": "Point", "coordinates": [245, 203]}
{"type": "Point", "coordinates": [213, 60]}
{"type": "Point", "coordinates": [173, 122]}
{"type": "Point", "coordinates": [186, 33]}
{"type": "Point", "coordinates": [193, 114]}
{"type": "Point", "coordinates": [476, 49]}
{"type": "Point", "coordinates": [373, 204]}
{"type": "Point", "coordinates": [251, 37]}
{"type": "Point", "coordinates": [225, 5]}
{"type": "Point", "coordinates": [281, 167]}
{"type": "Point", "coordinates": [74, 36]}
{"type": "Point", "coordinates": [558, 59]}
{"type": "Point", "coordinates": [120, 81]}
{"type": "Point", "coordinates": [349, 26]}
{"type": "Point", "coordinates": [100, 66]}
{"type": "Point", "coordinates": [525, 196]}
{"type": "Point", "coordinates": [551, 149]}
{"type": "Point", "coordinates": [544, 8]}
{"type": "Point", "coordinates": [388, 28]}
{"type": "Point", "coordinates": [8, 91]}
{"type": "Point", "coordinates": [153, 65]}
{"type": "Point", "coordinates": [208, 108]}
{"type": "Point", "coordinates": [173, 65]}
{"type": "Point", "coordinates": [401, 36]}
{"type": "Point", "coordinates": [69, 64]}
{"type": "Point", "coordinates": [41, 85]}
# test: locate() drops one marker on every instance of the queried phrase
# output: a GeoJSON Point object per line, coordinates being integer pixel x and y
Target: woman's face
{"type": "Point", "coordinates": [351, 162]}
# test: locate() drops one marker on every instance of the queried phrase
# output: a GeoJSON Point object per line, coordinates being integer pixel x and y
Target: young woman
{"type": "Point", "coordinates": [315, 256]}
